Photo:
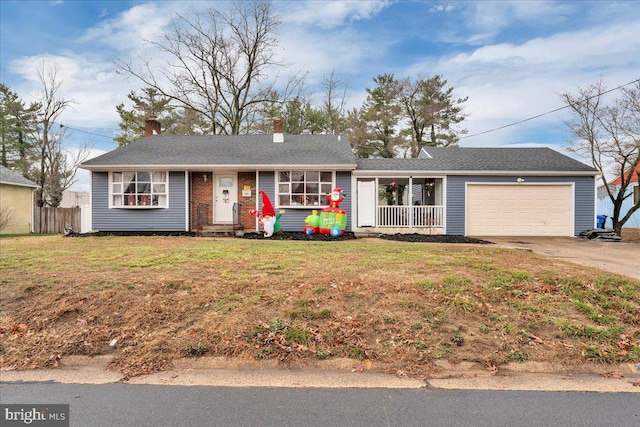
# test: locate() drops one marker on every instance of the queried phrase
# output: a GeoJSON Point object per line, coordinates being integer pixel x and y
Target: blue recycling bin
{"type": "Point", "coordinates": [602, 219]}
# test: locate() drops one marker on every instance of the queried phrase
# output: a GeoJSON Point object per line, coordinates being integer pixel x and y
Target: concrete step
{"type": "Point", "coordinates": [217, 230]}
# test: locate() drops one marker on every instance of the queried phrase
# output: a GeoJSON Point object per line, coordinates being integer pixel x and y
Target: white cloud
{"type": "Point", "coordinates": [131, 28]}
{"type": "Point", "coordinates": [486, 19]}
{"type": "Point", "coordinates": [441, 8]}
{"type": "Point", "coordinates": [586, 48]}
{"type": "Point", "coordinates": [508, 82]}
{"type": "Point", "coordinates": [91, 83]}
{"type": "Point", "coordinates": [328, 14]}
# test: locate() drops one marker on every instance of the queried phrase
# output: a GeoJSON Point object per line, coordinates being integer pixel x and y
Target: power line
{"type": "Point", "coordinates": [547, 113]}
{"type": "Point", "coordinates": [84, 131]}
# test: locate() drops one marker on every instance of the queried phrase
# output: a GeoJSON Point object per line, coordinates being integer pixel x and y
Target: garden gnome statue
{"type": "Point", "coordinates": [268, 219]}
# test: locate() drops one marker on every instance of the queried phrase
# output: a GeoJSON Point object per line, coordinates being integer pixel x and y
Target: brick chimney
{"type": "Point", "coordinates": [151, 126]}
{"type": "Point", "coordinates": [278, 133]}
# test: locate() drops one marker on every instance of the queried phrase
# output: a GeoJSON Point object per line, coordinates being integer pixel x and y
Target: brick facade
{"type": "Point", "coordinates": [245, 204]}
{"type": "Point", "coordinates": [202, 200]}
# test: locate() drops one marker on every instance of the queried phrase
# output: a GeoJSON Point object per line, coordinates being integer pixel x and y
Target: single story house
{"type": "Point", "coordinates": [605, 205]}
{"type": "Point", "coordinates": [16, 202]}
{"type": "Point", "coordinates": [174, 183]}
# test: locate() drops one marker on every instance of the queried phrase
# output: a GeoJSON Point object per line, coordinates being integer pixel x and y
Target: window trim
{"type": "Point", "coordinates": [151, 183]}
{"type": "Point", "coordinates": [635, 193]}
{"type": "Point", "coordinates": [322, 196]}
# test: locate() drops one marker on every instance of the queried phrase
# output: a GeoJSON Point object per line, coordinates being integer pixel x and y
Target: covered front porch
{"type": "Point", "coordinates": [400, 204]}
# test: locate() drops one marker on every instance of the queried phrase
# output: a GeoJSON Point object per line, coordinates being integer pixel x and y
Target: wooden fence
{"type": "Point", "coordinates": [54, 220]}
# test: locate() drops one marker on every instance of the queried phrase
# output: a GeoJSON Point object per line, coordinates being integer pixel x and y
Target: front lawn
{"type": "Point", "coordinates": [392, 306]}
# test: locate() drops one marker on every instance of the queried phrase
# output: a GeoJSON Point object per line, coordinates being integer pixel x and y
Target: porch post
{"type": "Point", "coordinates": [410, 201]}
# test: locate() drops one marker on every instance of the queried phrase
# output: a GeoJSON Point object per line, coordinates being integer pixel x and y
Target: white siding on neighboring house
{"type": "Point", "coordinates": [605, 205]}
{"type": "Point", "coordinates": [74, 199]}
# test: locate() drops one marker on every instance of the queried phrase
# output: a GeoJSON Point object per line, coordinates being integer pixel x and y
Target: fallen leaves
{"type": "Point", "coordinates": [491, 366]}
{"type": "Point", "coordinates": [613, 374]}
{"type": "Point", "coordinates": [535, 339]}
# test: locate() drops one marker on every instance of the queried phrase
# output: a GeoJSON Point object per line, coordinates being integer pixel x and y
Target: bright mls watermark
{"type": "Point", "coordinates": [54, 415]}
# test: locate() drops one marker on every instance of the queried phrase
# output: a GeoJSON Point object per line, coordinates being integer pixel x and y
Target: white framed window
{"type": "Point", "coordinates": [304, 188]}
{"type": "Point", "coordinates": [139, 189]}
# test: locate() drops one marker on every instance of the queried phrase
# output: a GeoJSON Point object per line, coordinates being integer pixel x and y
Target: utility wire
{"type": "Point", "coordinates": [462, 137]}
{"type": "Point", "coordinates": [547, 113]}
{"type": "Point", "coordinates": [84, 131]}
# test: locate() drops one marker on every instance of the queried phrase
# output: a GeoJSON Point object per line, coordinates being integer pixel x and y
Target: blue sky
{"type": "Point", "coordinates": [512, 59]}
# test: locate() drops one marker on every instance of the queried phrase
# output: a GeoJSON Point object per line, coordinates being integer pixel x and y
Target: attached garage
{"type": "Point", "coordinates": [519, 209]}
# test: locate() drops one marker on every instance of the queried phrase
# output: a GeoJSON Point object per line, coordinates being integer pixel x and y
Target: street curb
{"type": "Point", "coordinates": [464, 376]}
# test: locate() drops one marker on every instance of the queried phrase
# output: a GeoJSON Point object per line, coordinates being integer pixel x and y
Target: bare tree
{"type": "Point", "coordinates": [219, 64]}
{"type": "Point", "coordinates": [610, 135]}
{"type": "Point", "coordinates": [6, 213]}
{"type": "Point", "coordinates": [53, 167]}
{"type": "Point", "coordinates": [334, 104]}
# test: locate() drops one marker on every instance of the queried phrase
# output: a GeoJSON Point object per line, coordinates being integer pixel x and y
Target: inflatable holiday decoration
{"type": "Point", "coordinates": [332, 219]}
{"type": "Point", "coordinates": [268, 219]}
{"type": "Point", "coordinates": [312, 223]}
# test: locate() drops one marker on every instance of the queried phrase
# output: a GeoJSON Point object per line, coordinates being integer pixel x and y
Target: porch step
{"type": "Point", "coordinates": [217, 230]}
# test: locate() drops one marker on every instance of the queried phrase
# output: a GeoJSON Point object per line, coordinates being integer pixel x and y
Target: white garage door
{"type": "Point", "coordinates": [519, 210]}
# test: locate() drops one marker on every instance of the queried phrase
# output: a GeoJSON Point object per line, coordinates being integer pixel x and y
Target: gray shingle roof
{"type": "Point", "coordinates": [465, 159]}
{"type": "Point", "coordinates": [237, 150]}
{"type": "Point", "coordinates": [7, 176]}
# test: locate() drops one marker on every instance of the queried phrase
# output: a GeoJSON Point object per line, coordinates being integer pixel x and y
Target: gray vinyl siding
{"type": "Point", "coordinates": [293, 219]}
{"type": "Point", "coordinates": [147, 220]}
{"type": "Point", "coordinates": [584, 201]}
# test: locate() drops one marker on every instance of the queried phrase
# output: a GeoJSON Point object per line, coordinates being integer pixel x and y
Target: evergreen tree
{"type": "Point", "coordinates": [382, 113]}
{"type": "Point", "coordinates": [16, 120]}
{"type": "Point", "coordinates": [132, 121]}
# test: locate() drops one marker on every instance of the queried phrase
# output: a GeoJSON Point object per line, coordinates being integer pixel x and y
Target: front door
{"type": "Point", "coordinates": [366, 203]}
{"type": "Point", "coordinates": [225, 195]}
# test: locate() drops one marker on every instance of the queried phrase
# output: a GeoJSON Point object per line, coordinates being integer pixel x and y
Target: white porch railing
{"type": "Point", "coordinates": [411, 216]}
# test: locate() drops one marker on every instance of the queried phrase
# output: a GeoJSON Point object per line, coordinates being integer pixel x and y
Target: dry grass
{"type": "Point", "coordinates": [631, 234]}
{"type": "Point", "coordinates": [150, 300]}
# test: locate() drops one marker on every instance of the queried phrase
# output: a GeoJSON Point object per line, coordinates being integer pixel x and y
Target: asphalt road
{"type": "Point", "coordinates": [148, 405]}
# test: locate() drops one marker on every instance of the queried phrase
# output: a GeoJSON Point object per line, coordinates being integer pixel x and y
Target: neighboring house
{"type": "Point", "coordinates": [16, 202]}
{"type": "Point", "coordinates": [605, 205]}
{"type": "Point", "coordinates": [74, 199]}
{"type": "Point", "coordinates": [187, 183]}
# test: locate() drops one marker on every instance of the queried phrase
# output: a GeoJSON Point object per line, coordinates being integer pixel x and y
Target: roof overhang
{"type": "Point", "coordinates": [369, 173]}
{"type": "Point", "coordinates": [17, 184]}
{"type": "Point", "coordinates": [226, 168]}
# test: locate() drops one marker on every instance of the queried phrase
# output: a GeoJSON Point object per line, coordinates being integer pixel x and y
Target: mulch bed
{"type": "Point", "coordinates": [434, 238]}
{"type": "Point", "coordinates": [289, 235]}
{"type": "Point", "coordinates": [439, 238]}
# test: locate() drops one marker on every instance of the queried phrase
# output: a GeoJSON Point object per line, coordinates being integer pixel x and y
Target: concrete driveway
{"type": "Point", "coordinates": [616, 257]}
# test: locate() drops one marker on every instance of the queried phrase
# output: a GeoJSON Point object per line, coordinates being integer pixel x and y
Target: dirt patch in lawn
{"type": "Point", "coordinates": [392, 306]}
{"type": "Point", "coordinates": [631, 235]}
